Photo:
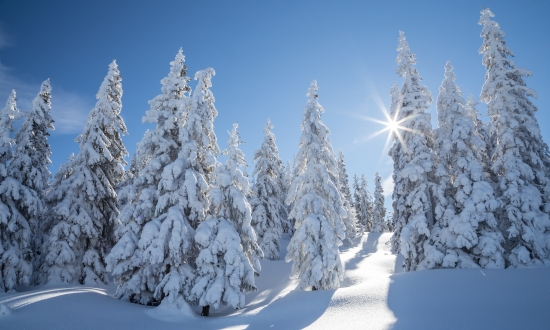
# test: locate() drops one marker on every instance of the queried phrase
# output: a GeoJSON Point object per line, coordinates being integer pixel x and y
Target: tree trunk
{"type": "Point", "coordinates": [313, 288]}
{"type": "Point", "coordinates": [205, 310]}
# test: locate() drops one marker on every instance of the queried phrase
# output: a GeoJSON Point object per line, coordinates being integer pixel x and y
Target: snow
{"type": "Point", "coordinates": [375, 294]}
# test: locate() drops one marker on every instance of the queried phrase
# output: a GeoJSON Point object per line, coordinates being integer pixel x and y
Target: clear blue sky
{"type": "Point", "coordinates": [265, 54]}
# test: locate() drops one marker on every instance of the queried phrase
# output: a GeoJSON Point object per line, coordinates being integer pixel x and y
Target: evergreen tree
{"type": "Point", "coordinates": [85, 218]}
{"type": "Point", "coordinates": [367, 204]}
{"type": "Point", "coordinates": [379, 210]}
{"type": "Point", "coordinates": [483, 132]}
{"type": "Point", "coordinates": [32, 158]}
{"type": "Point", "coordinates": [269, 213]}
{"type": "Point", "coordinates": [229, 255]}
{"type": "Point", "coordinates": [520, 156]}
{"type": "Point", "coordinates": [465, 232]}
{"type": "Point", "coordinates": [288, 225]}
{"type": "Point", "coordinates": [413, 162]}
{"type": "Point", "coordinates": [18, 203]}
{"type": "Point", "coordinates": [318, 208]}
{"type": "Point", "coordinates": [360, 208]}
{"type": "Point", "coordinates": [155, 239]}
{"type": "Point", "coordinates": [350, 221]}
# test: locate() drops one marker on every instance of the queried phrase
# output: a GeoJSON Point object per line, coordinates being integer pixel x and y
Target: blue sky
{"type": "Point", "coordinates": [265, 54]}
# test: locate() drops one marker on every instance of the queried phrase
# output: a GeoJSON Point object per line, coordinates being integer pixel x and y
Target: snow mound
{"type": "Point", "coordinates": [4, 310]}
{"type": "Point", "coordinates": [172, 312]}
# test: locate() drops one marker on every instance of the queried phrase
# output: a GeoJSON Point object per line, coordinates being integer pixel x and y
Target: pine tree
{"type": "Point", "coordinates": [350, 220]}
{"type": "Point", "coordinates": [367, 204]}
{"type": "Point", "coordinates": [360, 208]}
{"type": "Point", "coordinates": [520, 155]}
{"type": "Point", "coordinates": [32, 158]}
{"type": "Point", "coordinates": [86, 216]}
{"type": "Point", "coordinates": [413, 162]}
{"type": "Point", "coordinates": [288, 225]}
{"type": "Point", "coordinates": [229, 255]}
{"type": "Point", "coordinates": [318, 208]}
{"type": "Point", "coordinates": [269, 213]}
{"type": "Point", "coordinates": [141, 259]}
{"type": "Point", "coordinates": [18, 203]}
{"type": "Point", "coordinates": [379, 210]}
{"type": "Point", "coordinates": [465, 233]}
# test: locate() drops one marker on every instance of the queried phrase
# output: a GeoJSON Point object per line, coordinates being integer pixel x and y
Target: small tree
{"type": "Point", "coordinates": [268, 210]}
{"type": "Point", "coordinates": [318, 207]}
{"type": "Point", "coordinates": [229, 255]}
{"type": "Point", "coordinates": [379, 210]}
{"type": "Point", "coordinates": [520, 157]}
{"type": "Point", "coordinates": [350, 221]}
{"type": "Point", "coordinates": [86, 214]}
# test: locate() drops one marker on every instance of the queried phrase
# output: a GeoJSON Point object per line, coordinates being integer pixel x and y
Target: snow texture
{"type": "Point", "coordinates": [318, 207]}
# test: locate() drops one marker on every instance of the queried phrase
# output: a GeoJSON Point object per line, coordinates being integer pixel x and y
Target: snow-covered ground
{"type": "Point", "coordinates": [374, 295]}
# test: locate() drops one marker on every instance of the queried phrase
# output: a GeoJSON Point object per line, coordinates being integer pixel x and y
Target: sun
{"type": "Point", "coordinates": [392, 125]}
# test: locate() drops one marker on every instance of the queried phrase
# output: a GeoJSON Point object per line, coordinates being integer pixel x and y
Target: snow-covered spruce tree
{"type": "Point", "coordinates": [350, 221]}
{"type": "Point", "coordinates": [31, 160]}
{"type": "Point", "coordinates": [379, 210]}
{"type": "Point", "coordinates": [288, 225]}
{"type": "Point", "coordinates": [465, 233]}
{"type": "Point", "coordinates": [367, 204]}
{"type": "Point", "coordinates": [360, 209]}
{"type": "Point", "coordinates": [318, 208]}
{"type": "Point", "coordinates": [86, 211]}
{"type": "Point", "coordinates": [229, 255]}
{"type": "Point", "coordinates": [142, 224]}
{"type": "Point", "coordinates": [413, 162]}
{"type": "Point", "coordinates": [269, 212]}
{"type": "Point", "coordinates": [482, 130]}
{"type": "Point", "coordinates": [520, 155]}
{"type": "Point", "coordinates": [17, 203]}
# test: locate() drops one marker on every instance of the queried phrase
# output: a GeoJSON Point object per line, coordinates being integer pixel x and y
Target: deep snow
{"type": "Point", "coordinates": [373, 295]}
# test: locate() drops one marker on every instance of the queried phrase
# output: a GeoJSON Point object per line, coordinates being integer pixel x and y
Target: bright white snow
{"type": "Point", "coordinates": [372, 296]}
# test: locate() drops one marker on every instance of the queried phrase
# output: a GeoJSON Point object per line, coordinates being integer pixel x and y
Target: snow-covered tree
{"type": "Point", "coordinates": [350, 220]}
{"type": "Point", "coordinates": [142, 259]}
{"type": "Point", "coordinates": [86, 213]}
{"type": "Point", "coordinates": [363, 204]}
{"type": "Point", "coordinates": [32, 158]}
{"type": "Point", "coordinates": [379, 210]}
{"type": "Point", "coordinates": [229, 255]}
{"type": "Point", "coordinates": [413, 161]}
{"type": "Point", "coordinates": [482, 130]}
{"type": "Point", "coordinates": [465, 233]}
{"type": "Point", "coordinates": [18, 203]}
{"type": "Point", "coordinates": [318, 208]}
{"type": "Point", "coordinates": [269, 213]}
{"type": "Point", "coordinates": [520, 156]}
{"type": "Point", "coordinates": [288, 225]}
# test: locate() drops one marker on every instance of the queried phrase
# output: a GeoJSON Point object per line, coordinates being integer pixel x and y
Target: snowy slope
{"type": "Point", "coordinates": [372, 296]}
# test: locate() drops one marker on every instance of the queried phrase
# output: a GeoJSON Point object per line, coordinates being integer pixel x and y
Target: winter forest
{"type": "Point", "coordinates": [186, 227]}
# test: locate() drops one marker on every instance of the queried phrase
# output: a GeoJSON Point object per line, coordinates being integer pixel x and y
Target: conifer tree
{"type": "Point", "coordinates": [269, 213]}
{"type": "Point", "coordinates": [142, 259]}
{"type": "Point", "coordinates": [85, 216]}
{"type": "Point", "coordinates": [520, 156]}
{"type": "Point", "coordinates": [413, 162]}
{"type": "Point", "coordinates": [379, 210]}
{"type": "Point", "coordinates": [229, 255]}
{"type": "Point", "coordinates": [288, 225]}
{"type": "Point", "coordinates": [318, 208]}
{"type": "Point", "coordinates": [465, 233]}
{"type": "Point", "coordinates": [360, 208]}
{"type": "Point", "coordinates": [350, 221]}
{"type": "Point", "coordinates": [17, 204]}
{"type": "Point", "coordinates": [32, 158]}
{"type": "Point", "coordinates": [367, 204]}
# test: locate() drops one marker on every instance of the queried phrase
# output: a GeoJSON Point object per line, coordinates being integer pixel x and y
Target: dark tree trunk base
{"type": "Point", "coordinates": [205, 310]}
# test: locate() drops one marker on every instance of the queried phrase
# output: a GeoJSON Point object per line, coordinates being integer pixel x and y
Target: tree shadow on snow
{"type": "Point", "coordinates": [471, 299]}
{"type": "Point", "coordinates": [368, 247]}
